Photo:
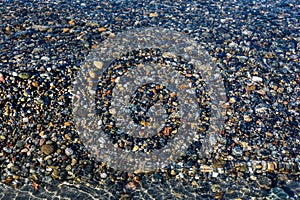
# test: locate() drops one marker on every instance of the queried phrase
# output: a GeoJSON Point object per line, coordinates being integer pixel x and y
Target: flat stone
{"type": "Point", "coordinates": [257, 79]}
{"type": "Point", "coordinates": [47, 149]}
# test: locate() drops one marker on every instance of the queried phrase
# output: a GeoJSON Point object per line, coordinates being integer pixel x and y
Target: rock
{"type": "Point", "coordinates": [25, 120]}
{"type": "Point", "coordinates": [257, 79]}
{"type": "Point", "coordinates": [237, 151]}
{"type": "Point", "coordinates": [98, 64]}
{"type": "Point", "coordinates": [103, 175]}
{"type": "Point", "coordinates": [264, 182]}
{"type": "Point", "coordinates": [69, 151]}
{"type": "Point", "coordinates": [247, 118]}
{"type": "Point", "coordinates": [1, 77]}
{"type": "Point", "coordinates": [67, 123]}
{"type": "Point", "coordinates": [20, 143]}
{"type": "Point", "coordinates": [47, 149]}
{"type": "Point", "coordinates": [45, 58]}
{"type": "Point", "coordinates": [232, 100]}
{"type": "Point", "coordinates": [101, 29]}
{"type": "Point", "coordinates": [250, 88]}
{"type": "Point", "coordinates": [153, 15]}
{"type": "Point", "coordinates": [278, 194]}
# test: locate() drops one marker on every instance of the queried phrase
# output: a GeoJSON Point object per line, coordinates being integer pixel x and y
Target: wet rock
{"type": "Point", "coordinates": [47, 149]}
{"type": "Point", "coordinates": [278, 194]}
{"type": "Point", "coordinates": [264, 182]}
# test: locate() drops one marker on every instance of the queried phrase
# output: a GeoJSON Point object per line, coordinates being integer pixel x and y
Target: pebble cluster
{"type": "Point", "coordinates": [255, 44]}
{"type": "Point", "coordinates": [145, 97]}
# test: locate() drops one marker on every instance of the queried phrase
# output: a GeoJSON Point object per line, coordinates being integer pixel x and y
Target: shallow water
{"type": "Point", "coordinates": [254, 44]}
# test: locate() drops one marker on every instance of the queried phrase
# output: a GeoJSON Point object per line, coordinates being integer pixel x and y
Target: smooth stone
{"type": "Point", "coordinates": [47, 149]}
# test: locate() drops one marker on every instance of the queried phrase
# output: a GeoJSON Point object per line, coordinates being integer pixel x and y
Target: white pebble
{"type": "Point", "coordinates": [98, 64]}
{"type": "Point", "coordinates": [45, 58]}
{"type": "Point", "coordinates": [256, 79]}
{"type": "Point", "coordinates": [25, 119]}
{"type": "Point", "coordinates": [10, 165]}
{"type": "Point", "coordinates": [69, 151]}
{"type": "Point", "coordinates": [103, 175]}
{"type": "Point", "coordinates": [49, 169]}
{"type": "Point", "coordinates": [215, 174]}
{"type": "Point", "coordinates": [246, 32]}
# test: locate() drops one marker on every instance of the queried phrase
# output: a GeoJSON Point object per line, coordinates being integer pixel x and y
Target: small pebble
{"type": "Point", "coordinates": [1, 77]}
{"type": "Point", "coordinates": [103, 175]}
{"type": "Point", "coordinates": [45, 58]}
{"type": "Point", "coordinates": [24, 75]}
{"type": "Point", "coordinates": [98, 64]}
{"type": "Point", "coordinates": [264, 182]}
{"type": "Point", "coordinates": [69, 151]}
{"type": "Point", "coordinates": [47, 149]}
{"type": "Point", "coordinates": [257, 79]}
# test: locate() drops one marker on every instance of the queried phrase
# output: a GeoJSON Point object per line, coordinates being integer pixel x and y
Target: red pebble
{"type": "Point", "coordinates": [1, 77]}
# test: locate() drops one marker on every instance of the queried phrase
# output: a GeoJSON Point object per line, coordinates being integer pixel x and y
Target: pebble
{"type": "Point", "coordinates": [103, 175]}
{"type": "Point", "coordinates": [20, 143]}
{"type": "Point", "coordinates": [232, 100]}
{"type": "Point", "coordinates": [25, 120]}
{"type": "Point", "coordinates": [7, 150]}
{"type": "Point", "coordinates": [98, 64]}
{"type": "Point", "coordinates": [264, 182]}
{"type": "Point", "coordinates": [257, 79]}
{"type": "Point", "coordinates": [2, 78]}
{"type": "Point", "coordinates": [10, 165]}
{"type": "Point", "coordinates": [130, 185]}
{"type": "Point", "coordinates": [67, 123]}
{"type": "Point", "coordinates": [246, 40]}
{"type": "Point", "coordinates": [247, 118]}
{"type": "Point", "coordinates": [45, 58]}
{"type": "Point", "coordinates": [278, 194]}
{"type": "Point", "coordinates": [49, 169]}
{"type": "Point", "coordinates": [215, 174]}
{"type": "Point", "coordinates": [69, 151]}
{"type": "Point", "coordinates": [47, 149]}
{"type": "Point", "coordinates": [153, 15]}
{"type": "Point", "coordinates": [24, 75]}
{"type": "Point", "coordinates": [101, 29]}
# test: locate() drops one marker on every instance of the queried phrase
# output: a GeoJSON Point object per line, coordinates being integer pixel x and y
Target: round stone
{"type": "Point", "coordinates": [47, 149]}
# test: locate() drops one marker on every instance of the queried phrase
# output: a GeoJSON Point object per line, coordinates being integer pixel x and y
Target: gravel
{"type": "Point", "coordinates": [256, 46]}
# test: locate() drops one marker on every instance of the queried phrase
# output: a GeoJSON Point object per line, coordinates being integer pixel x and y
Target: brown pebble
{"type": "Point", "coordinates": [250, 88]}
{"type": "Point", "coordinates": [65, 30]}
{"type": "Point", "coordinates": [101, 29]}
{"type": "Point", "coordinates": [271, 167]}
{"type": "Point", "coordinates": [130, 185]}
{"type": "Point", "coordinates": [8, 180]}
{"type": "Point", "coordinates": [72, 22]}
{"type": "Point", "coordinates": [247, 118]}
{"type": "Point", "coordinates": [1, 77]}
{"type": "Point", "coordinates": [35, 84]}
{"type": "Point", "coordinates": [42, 141]}
{"type": "Point", "coordinates": [173, 173]}
{"type": "Point", "coordinates": [67, 124]}
{"type": "Point", "coordinates": [67, 137]}
{"type": "Point", "coordinates": [47, 149]}
{"type": "Point", "coordinates": [261, 92]}
{"type": "Point", "coordinates": [153, 15]}
{"type": "Point", "coordinates": [264, 182]}
{"type": "Point", "coordinates": [55, 174]}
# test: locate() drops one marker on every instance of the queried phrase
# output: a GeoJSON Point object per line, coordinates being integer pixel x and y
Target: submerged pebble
{"type": "Point", "coordinates": [256, 47]}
